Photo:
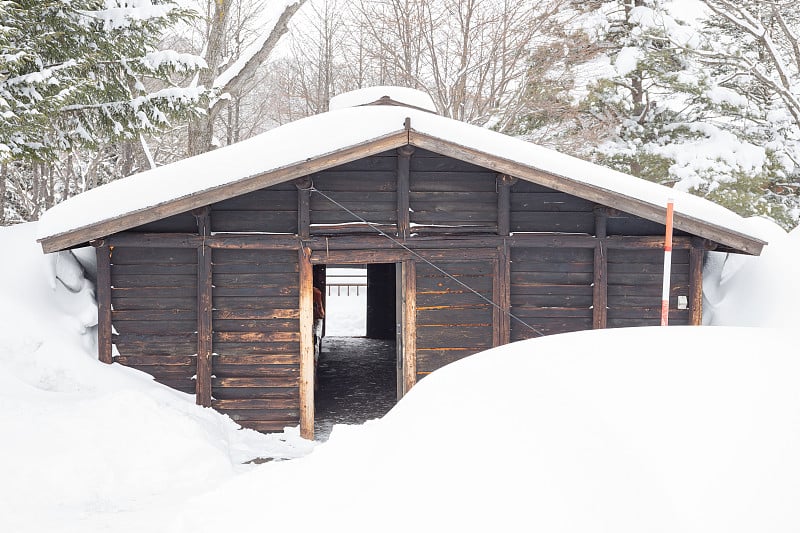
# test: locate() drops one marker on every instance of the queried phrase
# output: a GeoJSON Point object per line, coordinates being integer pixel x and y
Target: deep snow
{"type": "Point", "coordinates": [649, 429]}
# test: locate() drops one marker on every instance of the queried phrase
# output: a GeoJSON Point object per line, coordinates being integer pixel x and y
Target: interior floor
{"type": "Point", "coordinates": [356, 382]}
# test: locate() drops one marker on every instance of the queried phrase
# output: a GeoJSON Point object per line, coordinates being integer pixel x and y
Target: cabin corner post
{"type": "Point", "coordinates": [696, 255]}
{"type": "Point", "coordinates": [403, 190]}
{"type": "Point", "coordinates": [204, 309]}
{"type": "Point", "coordinates": [306, 304]}
{"type": "Point", "coordinates": [409, 324]}
{"type": "Point", "coordinates": [104, 339]}
{"type": "Point", "coordinates": [600, 276]}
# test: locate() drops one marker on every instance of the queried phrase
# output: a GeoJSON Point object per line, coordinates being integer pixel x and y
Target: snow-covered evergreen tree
{"type": "Point", "coordinates": [86, 71]}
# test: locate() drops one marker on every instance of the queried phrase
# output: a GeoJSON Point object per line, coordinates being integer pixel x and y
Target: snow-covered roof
{"type": "Point", "coordinates": [369, 95]}
{"type": "Point", "coordinates": [329, 139]}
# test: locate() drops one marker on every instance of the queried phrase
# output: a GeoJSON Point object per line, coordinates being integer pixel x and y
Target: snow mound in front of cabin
{"type": "Point", "coordinates": [627, 430]}
{"type": "Point", "coordinates": [81, 438]}
{"type": "Point", "coordinates": [742, 290]}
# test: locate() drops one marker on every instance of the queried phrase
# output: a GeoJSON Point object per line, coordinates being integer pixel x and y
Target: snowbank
{"type": "Point", "coordinates": [646, 429]}
{"type": "Point", "coordinates": [83, 442]}
{"type": "Point", "coordinates": [755, 291]}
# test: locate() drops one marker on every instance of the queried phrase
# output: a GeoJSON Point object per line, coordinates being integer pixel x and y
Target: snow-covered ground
{"type": "Point", "coordinates": [649, 429]}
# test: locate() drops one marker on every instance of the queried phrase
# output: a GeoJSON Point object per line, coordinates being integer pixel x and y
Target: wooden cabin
{"type": "Point", "coordinates": [205, 267]}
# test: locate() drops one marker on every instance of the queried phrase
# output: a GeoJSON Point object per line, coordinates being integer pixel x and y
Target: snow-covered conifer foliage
{"type": "Point", "coordinates": [82, 72]}
{"type": "Point", "coordinates": [708, 105]}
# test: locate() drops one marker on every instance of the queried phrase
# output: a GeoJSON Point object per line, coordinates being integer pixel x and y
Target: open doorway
{"type": "Point", "coordinates": [356, 377]}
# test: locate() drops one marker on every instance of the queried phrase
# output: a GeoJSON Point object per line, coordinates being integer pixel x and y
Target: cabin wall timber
{"type": "Point", "coordinates": [216, 301]}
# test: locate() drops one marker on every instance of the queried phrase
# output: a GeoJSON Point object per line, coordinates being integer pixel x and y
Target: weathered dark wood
{"type": "Point", "coordinates": [204, 325]}
{"type": "Point", "coordinates": [304, 207]}
{"type": "Point", "coordinates": [696, 256]}
{"type": "Point", "coordinates": [600, 281]}
{"type": "Point", "coordinates": [272, 221]}
{"type": "Point", "coordinates": [155, 327]}
{"type": "Point", "coordinates": [104, 339]}
{"type": "Point", "coordinates": [504, 184]}
{"type": "Point", "coordinates": [563, 222]}
{"type": "Point", "coordinates": [501, 296]}
{"type": "Point", "coordinates": [408, 328]}
{"type": "Point", "coordinates": [306, 306]}
{"type": "Point", "coordinates": [587, 191]}
{"type": "Point", "coordinates": [403, 187]}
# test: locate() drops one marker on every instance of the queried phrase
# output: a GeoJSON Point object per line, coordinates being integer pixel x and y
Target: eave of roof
{"type": "Point", "coordinates": [360, 132]}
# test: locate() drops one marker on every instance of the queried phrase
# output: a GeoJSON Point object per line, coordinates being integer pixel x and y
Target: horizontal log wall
{"type": "Point", "coordinates": [256, 337]}
{"type": "Point", "coordinates": [535, 208]}
{"type": "Point", "coordinates": [551, 291]}
{"type": "Point", "coordinates": [154, 312]}
{"type": "Point", "coordinates": [452, 322]}
{"type": "Point", "coordinates": [635, 284]}
{"type": "Point", "coordinates": [367, 187]}
{"type": "Point", "coordinates": [447, 195]}
{"type": "Point", "coordinates": [270, 210]}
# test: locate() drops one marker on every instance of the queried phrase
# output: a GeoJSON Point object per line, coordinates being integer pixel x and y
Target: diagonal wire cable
{"type": "Point", "coordinates": [423, 259]}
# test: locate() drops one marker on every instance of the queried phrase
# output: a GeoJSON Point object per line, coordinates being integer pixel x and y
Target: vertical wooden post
{"type": "Point", "coordinates": [501, 296]}
{"type": "Point", "coordinates": [303, 207]}
{"type": "Point", "coordinates": [403, 189]}
{"type": "Point", "coordinates": [504, 184]}
{"type": "Point", "coordinates": [696, 256]}
{"type": "Point", "coordinates": [408, 325]}
{"type": "Point", "coordinates": [600, 287]}
{"type": "Point", "coordinates": [104, 341]}
{"type": "Point", "coordinates": [306, 344]}
{"type": "Point", "coordinates": [204, 325]}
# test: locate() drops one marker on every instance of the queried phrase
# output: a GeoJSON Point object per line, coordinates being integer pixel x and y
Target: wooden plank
{"type": "Point", "coordinates": [600, 273]}
{"type": "Point", "coordinates": [270, 198]}
{"type": "Point", "coordinates": [254, 314]}
{"type": "Point", "coordinates": [656, 256]}
{"type": "Point", "coordinates": [504, 184]}
{"type": "Point", "coordinates": [254, 393]}
{"type": "Point", "coordinates": [257, 336]}
{"type": "Point", "coordinates": [272, 221]}
{"type": "Point", "coordinates": [333, 181]}
{"type": "Point", "coordinates": [280, 417]}
{"type": "Point", "coordinates": [523, 279]}
{"type": "Point", "coordinates": [267, 426]}
{"type": "Point", "coordinates": [450, 299]}
{"type": "Point", "coordinates": [553, 300]}
{"type": "Point", "coordinates": [154, 269]}
{"type": "Point", "coordinates": [257, 358]}
{"type": "Point", "coordinates": [180, 223]}
{"type": "Point", "coordinates": [696, 256]}
{"type": "Point", "coordinates": [242, 303]}
{"type": "Point", "coordinates": [306, 345]}
{"type": "Point", "coordinates": [455, 336]}
{"type": "Point", "coordinates": [355, 257]}
{"type": "Point", "coordinates": [260, 279]}
{"type": "Point", "coordinates": [103, 287]}
{"type": "Point", "coordinates": [382, 161]}
{"type": "Point", "coordinates": [458, 269]}
{"type": "Point", "coordinates": [257, 257]}
{"type": "Point", "coordinates": [288, 374]}
{"type": "Point", "coordinates": [449, 181]}
{"type": "Point", "coordinates": [403, 164]}
{"type": "Point", "coordinates": [363, 213]}
{"type": "Point", "coordinates": [408, 328]}
{"type": "Point", "coordinates": [550, 202]}
{"type": "Point", "coordinates": [153, 292]}
{"type": "Point", "coordinates": [502, 296]}
{"type": "Point", "coordinates": [446, 285]}
{"type": "Point", "coordinates": [263, 267]}
{"type": "Point", "coordinates": [252, 291]}
{"type": "Point", "coordinates": [132, 255]}
{"type": "Point", "coordinates": [256, 348]}
{"type": "Point", "coordinates": [132, 281]}
{"type": "Point", "coordinates": [204, 326]}
{"type": "Point", "coordinates": [255, 403]}
{"type": "Point", "coordinates": [187, 361]}
{"type": "Point", "coordinates": [156, 327]}
{"type": "Point", "coordinates": [264, 326]}
{"type": "Point", "coordinates": [303, 225]}
{"type": "Point", "coordinates": [376, 200]}
{"type": "Point", "coordinates": [555, 222]}
{"type": "Point", "coordinates": [431, 360]}
{"type": "Point", "coordinates": [446, 316]}
{"type": "Point", "coordinates": [212, 195]}
{"type": "Point", "coordinates": [565, 255]}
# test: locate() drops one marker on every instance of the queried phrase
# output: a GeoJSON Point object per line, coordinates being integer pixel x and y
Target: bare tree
{"type": "Point", "coordinates": [231, 78]}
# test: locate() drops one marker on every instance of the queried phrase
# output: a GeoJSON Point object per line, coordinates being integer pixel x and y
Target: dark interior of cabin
{"type": "Point", "coordinates": [356, 377]}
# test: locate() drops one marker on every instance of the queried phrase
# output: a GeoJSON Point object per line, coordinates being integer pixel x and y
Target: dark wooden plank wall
{"type": "Point", "coordinates": [270, 210]}
{"type": "Point", "coordinates": [451, 196]}
{"type": "Point", "coordinates": [551, 291]}
{"type": "Point", "coordinates": [256, 340]}
{"type": "Point", "coordinates": [367, 187]}
{"type": "Point", "coordinates": [635, 280]}
{"type": "Point", "coordinates": [452, 322]}
{"type": "Point", "coordinates": [154, 312]}
{"type": "Point", "coordinates": [535, 208]}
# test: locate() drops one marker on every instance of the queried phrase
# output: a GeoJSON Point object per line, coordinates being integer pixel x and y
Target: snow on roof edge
{"type": "Point", "coordinates": [289, 145]}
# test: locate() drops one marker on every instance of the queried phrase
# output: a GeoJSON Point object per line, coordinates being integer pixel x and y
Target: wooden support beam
{"type": "Point", "coordinates": [403, 186]}
{"type": "Point", "coordinates": [104, 339]}
{"type": "Point", "coordinates": [696, 255]}
{"type": "Point", "coordinates": [306, 344]}
{"type": "Point", "coordinates": [408, 325]}
{"type": "Point", "coordinates": [600, 281]}
{"type": "Point", "coordinates": [204, 326]}
{"type": "Point", "coordinates": [303, 207]}
{"type": "Point", "coordinates": [501, 296]}
{"type": "Point", "coordinates": [504, 183]}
